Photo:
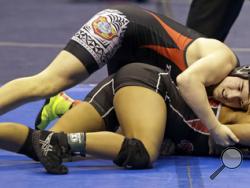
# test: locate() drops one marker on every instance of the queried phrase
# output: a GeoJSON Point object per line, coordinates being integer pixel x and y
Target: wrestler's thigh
{"type": "Point", "coordinates": [139, 104]}
{"type": "Point", "coordinates": [62, 77]}
{"type": "Point", "coordinates": [142, 114]}
{"type": "Point", "coordinates": [82, 117]}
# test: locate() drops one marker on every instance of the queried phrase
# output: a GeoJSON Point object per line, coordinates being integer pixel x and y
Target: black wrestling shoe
{"type": "Point", "coordinates": [51, 148]}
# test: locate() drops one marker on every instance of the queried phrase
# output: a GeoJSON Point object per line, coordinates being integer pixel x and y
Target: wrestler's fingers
{"type": "Point", "coordinates": [233, 138]}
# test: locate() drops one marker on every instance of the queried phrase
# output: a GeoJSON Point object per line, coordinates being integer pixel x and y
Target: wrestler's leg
{"type": "Point", "coordinates": [142, 115]}
{"type": "Point", "coordinates": [89, 115]}
{"type": "Point", "coordinates": [85, 118]}
{"type": "Point", "coordinates": [67, 122]}
{"type": "Point", "coordinates": [18, 138]}
{"type": "Point", "coordinates": [82, 118]}
{"type": "Point", "coordinates": [52, 80]}
{"type": "Point", "coordinates": [141, 112]}
{"type": "Point", "coordinates": [12, 136]}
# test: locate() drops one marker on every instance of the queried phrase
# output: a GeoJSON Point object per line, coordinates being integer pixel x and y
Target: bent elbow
{"type": "Point", "coordinates": [183, 80]}
{"type": "Point", "coordinates": [187, 83]}
{"type": "Point", "coordinates": [179, 80]}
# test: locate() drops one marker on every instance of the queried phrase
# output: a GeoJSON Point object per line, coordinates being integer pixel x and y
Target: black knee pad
{"type": "Point", "coordinates": [133, 155]}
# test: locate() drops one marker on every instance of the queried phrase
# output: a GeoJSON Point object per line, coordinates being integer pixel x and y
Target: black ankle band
{"type": "Point", "coordinates": [77, 142]}
{"type": "Point", "coordinates": [27, 148]}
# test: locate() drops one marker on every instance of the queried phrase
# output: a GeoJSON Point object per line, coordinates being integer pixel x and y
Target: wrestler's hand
{"type": "Point", "coordinates": [223, 136]}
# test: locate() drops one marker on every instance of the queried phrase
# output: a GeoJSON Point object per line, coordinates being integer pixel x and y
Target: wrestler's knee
{"type": "Point", "coordinates": [133, 154]}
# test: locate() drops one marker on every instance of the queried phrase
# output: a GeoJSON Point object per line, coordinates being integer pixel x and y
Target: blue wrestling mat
{"type": "Point", "coordinates": [32, 33]}
{"type": "Point", "coordinates": [175, 171]}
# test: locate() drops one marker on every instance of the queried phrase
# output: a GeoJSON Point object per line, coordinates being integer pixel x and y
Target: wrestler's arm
{"type": "Point", "coordinates": [209, 70]}
{"type": "Point", "coordinates": [238, 121]}
{"type": "Point", "coordinates": [64, 72]}
{"type": "Point", "coordinates": [241, 130]}
{"type": "Point", "coordinates": [233, 116]}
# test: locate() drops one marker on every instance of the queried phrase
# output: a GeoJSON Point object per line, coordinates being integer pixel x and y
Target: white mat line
{"type": "Point", "coordinates": [30, 45]}
{"type": "Point", "coordinates": [241, 49]}
{"type": "Point", "coordinates": [47, 45]}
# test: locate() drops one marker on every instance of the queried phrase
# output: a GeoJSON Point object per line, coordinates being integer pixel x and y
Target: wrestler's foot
{"type": "Point", "coordinates": [51, 148]}
{"type": "Point", "coordinates": [53, 108]}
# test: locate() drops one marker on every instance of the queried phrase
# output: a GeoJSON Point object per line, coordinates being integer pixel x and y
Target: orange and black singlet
{"type": "Point", "coordinates": [126, 34]}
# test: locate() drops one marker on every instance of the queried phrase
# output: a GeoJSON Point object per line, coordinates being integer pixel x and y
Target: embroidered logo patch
{"type": "Point", "coordinates": [103, 28]}
{"type": "Point", "coordinates": [102, 35]}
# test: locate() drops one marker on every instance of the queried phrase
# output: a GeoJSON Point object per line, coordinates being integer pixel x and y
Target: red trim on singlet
{"type": "Point", "coordinates": [213, 103]}
{"type": "Point", "coordinates": [175, 55]}
{"type": "Point", "coordinates": [197, 125]}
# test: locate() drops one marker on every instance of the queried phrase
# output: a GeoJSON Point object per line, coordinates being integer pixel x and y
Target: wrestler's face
{"type": "Point", "coordinates": [233, 92]}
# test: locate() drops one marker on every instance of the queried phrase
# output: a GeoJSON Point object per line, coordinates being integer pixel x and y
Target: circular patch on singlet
{"type": "Point", "coordinates": [103, 28]}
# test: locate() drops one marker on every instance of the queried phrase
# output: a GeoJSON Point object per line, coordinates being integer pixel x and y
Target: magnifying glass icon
{"type": "Point", "coordinates": [231, 158]}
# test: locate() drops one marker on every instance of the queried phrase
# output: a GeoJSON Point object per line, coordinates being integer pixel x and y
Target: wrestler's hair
{"type": "Point", "coordinates": [242, 72]}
